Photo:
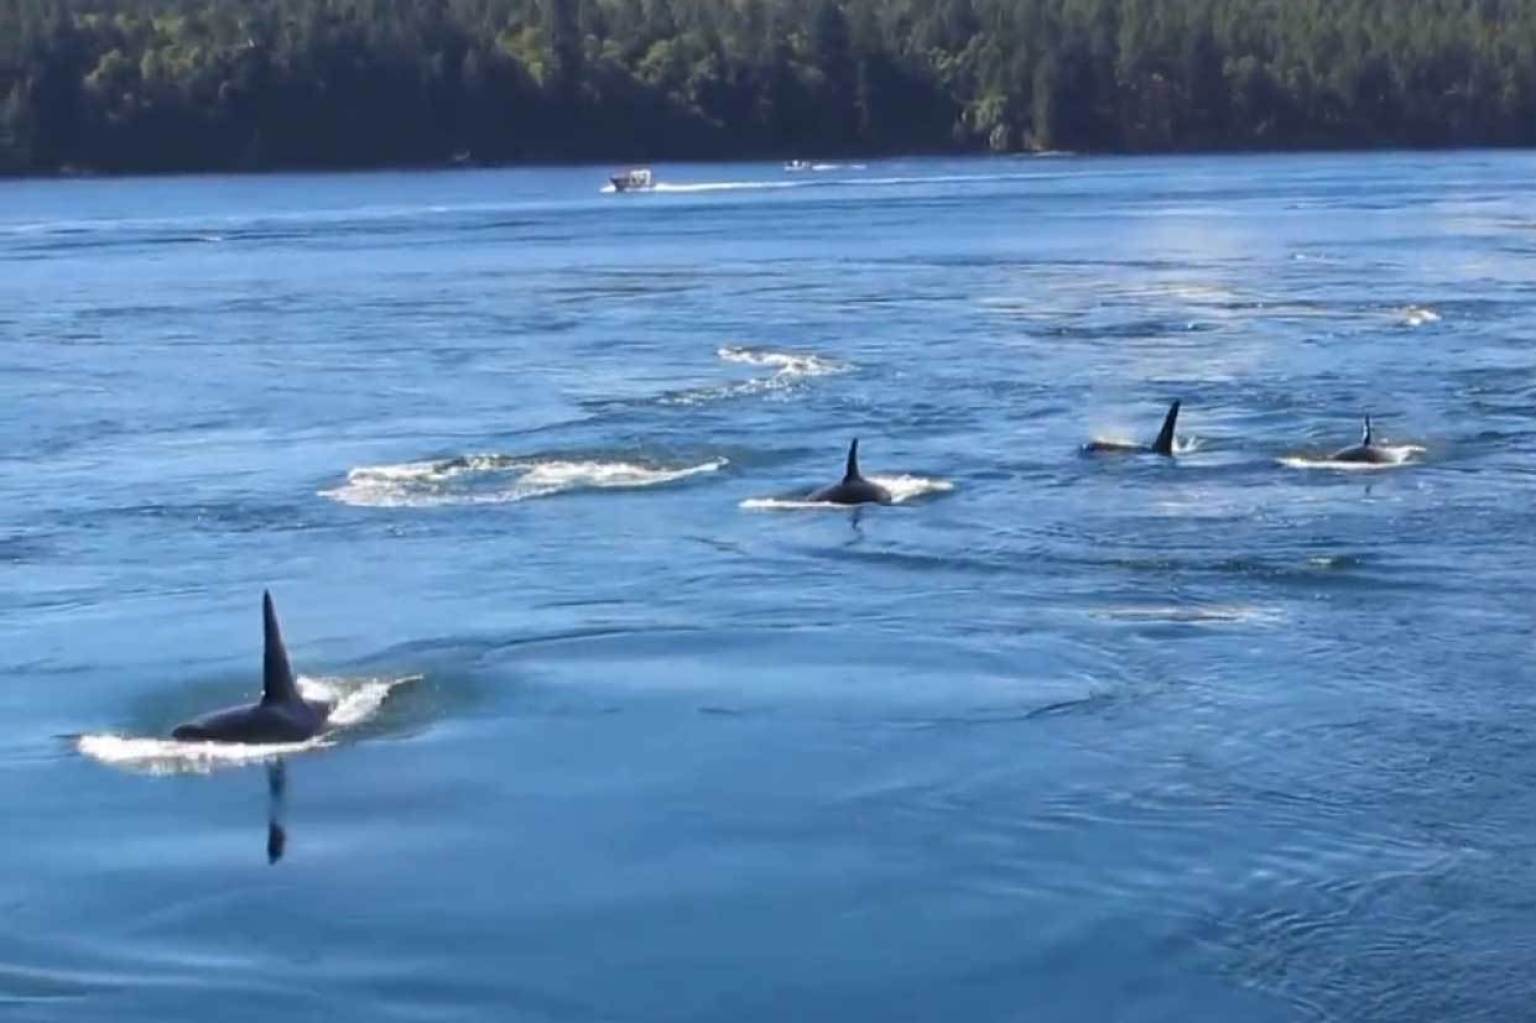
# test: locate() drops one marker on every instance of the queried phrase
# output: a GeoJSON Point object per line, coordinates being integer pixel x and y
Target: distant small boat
{"type": "Point", "coordinates": [637, 180]}
{"type": "Point", "coordinates": [797, 165]}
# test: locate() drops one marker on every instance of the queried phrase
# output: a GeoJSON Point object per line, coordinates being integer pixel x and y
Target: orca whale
{"type": "Point", "coordinates": [281, 716]}
{"type": "Point", "coordinates": [853, 488]}
{"type": "Point", "coordinates": [1163, 445]}
{"type": "Point", "coordinates": [1365, 451]}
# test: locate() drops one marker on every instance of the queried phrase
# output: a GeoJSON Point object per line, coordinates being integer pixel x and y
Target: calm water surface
{"type": "Point", "coordinates": [1053, 738]}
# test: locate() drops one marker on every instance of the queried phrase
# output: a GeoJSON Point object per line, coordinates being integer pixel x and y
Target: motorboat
{"type": "Point", "coordinates": [797, 165]}
{"type": "Point", "coordinates": [637, 180]}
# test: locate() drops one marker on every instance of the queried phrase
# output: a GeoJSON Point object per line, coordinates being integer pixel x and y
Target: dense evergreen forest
{"type": "Point", "coordinates": [148, 85]}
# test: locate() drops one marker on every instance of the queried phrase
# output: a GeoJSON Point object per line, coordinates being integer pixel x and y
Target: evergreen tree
{"type": "Point", "coordinates": [143, 85]}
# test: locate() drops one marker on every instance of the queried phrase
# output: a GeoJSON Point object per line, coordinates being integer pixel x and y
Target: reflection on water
{"type": "Point", "coordinates": [277, 787]}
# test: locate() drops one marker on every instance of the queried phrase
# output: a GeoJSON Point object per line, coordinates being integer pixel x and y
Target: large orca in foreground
{"type": "Point", "coordinates": [281, 716]}
{"type": "Point", "coordinates": [1366, 451]}
{"type": "Point", "coordinates": [1163, 445]}
{"type": "Point", "coordinates": [854, 488]}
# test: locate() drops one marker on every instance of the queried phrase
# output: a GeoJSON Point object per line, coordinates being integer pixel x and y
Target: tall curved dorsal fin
{"type": "Point", "coordinates": [277, 684]}
{"type": "Point", "coordinates": [1365, 435]}
{"type": "Point", "coordinates": [852, 472]}
{"type": "Point", "coordinates": [1164, 443]}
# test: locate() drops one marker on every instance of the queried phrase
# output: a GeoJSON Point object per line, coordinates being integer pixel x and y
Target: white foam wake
{"type": "Point", "coordinates": [355, 701]}
{"type": "Point", "coordinates": [695, 187]}
{"type": "Point", "coordinates": [722, 186]}
{"type": "Point", "coordinates": [903, 489]}
{"type": "Point", "coordinates": [1397, 454]}
{"type": "Point", "coordinates": [496, 479]}
{"type": "Point", "coordinates": [789, 370]}
{"type": "Point", "coordinates": [802, 364]}
{"type": "Point", "coordinates": [690, 188]}
{"type": "Point", "coordinates": [1419, 316]}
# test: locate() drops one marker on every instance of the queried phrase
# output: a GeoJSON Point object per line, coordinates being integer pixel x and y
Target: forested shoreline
{"type": "Point", "coordinates": [170, 85]}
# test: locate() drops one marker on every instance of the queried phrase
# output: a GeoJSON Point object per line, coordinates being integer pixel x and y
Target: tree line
{"type": "Point", "coordinates": [159, 85]}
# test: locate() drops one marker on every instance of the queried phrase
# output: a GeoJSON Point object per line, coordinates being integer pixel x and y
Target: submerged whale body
{"type": "Point", "coordinates": [281, 716]}
{"type": "Point", "coordinates": [1366, 451]}
{"type": "Point", "coordinates": [1163, 445]}
{"type": "Point", "coordinates": [853, 488]}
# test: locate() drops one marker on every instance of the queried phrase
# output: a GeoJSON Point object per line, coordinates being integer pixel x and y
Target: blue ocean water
{"type": "Point", "coordinates": [1233, 736]}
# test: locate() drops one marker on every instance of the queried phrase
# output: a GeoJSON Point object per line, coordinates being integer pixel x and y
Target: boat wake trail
{"type": "Point", "coordinates": [694, 188]}
{"type": "Point", "coordinates": [726, 186]}
{"type": "Point", "coordinates": [497, 479]}
{"type": "Point", "coordinates": [355, 699]}
{"type": "Point", "coordinates": [904, 489]}
{"type": "Point", "coordinates": [704, 187]}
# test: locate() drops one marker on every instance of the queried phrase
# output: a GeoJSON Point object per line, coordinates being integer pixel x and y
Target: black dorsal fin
{"type": "Point", "coordinates": [1164, 443]}
{"type": "Point", "coordinates": [1365, 435]}
{"type": "Point", "coordinates": [852, 472]}
{"type": "Point", "coordinates": [276, 675]}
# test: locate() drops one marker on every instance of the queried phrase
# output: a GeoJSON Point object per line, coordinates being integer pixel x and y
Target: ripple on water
{"type": "Point", "coordinates": [1195, 614]}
